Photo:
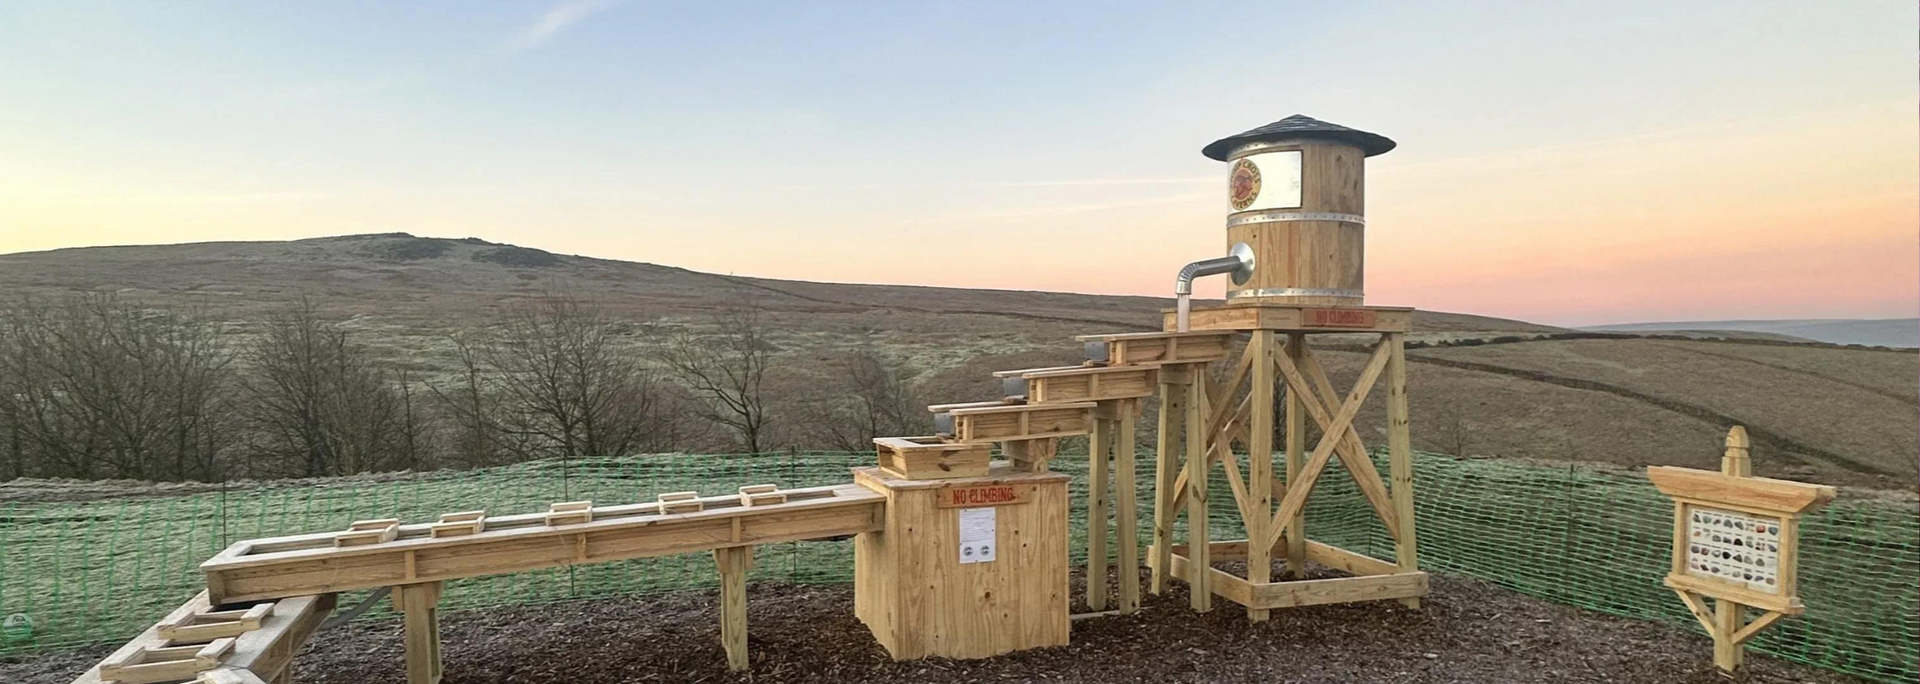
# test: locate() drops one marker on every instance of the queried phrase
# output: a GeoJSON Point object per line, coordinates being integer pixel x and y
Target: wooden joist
{"type": "Point", "coordinates": [363, 532]}
{"type": "Point", "coordinates": [761, 495]}
{"type": "Point", "coordinates": [931, 458]}
{"type": "Point", "coordinates": [569, 513]}
{"type": "Point", "coordinates": [1003, 421]}
{"type": "Point", "coordinates": [309, 564]}
{"type": "Point", "coordinates": [1079, 383]}
{"type": "Point", "coordinates": [257, 655]}
{"type": "Point", "coordinates": [1157, 348]}
{"type": "Point", "coordinates": [213, 624]}
{"type": "Point", "coordinates": [681, 502]}
{"type": "Point", "coordinates": [1295, 318]}
{"type": "Point", "coordinates": [459, 524]}
{"type": "Point", "coordinates": [1295, 593]}
{"type": "Point", "coordinates": [164, 663]}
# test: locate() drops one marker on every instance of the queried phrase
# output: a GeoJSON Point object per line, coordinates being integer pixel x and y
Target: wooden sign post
{"type": "Point", "coordinates": [1736, 540]}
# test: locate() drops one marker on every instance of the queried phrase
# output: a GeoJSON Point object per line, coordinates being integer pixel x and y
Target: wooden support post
{"type": "Point", "coordinates": [1173, 414]}
{"type": "Point", "coordinates": [1727, 653]}
{"type": "Point", "coordinates": [1400, 453]}
{"type": "Point", "coordinates": [419, 607]}
{"type": "Point", "coordinates": [1260, 463]}
{"type": "Point", "coordinates": [734, 562]}
{"type": "Point", "coordinates": [1126, 506]}
{"type": "Point", "coordinates": [1296, 459]}
{"type": "Point", "coordinates": [1098, 442]}
{"type": "Point", "coordinates": [1199, 581]}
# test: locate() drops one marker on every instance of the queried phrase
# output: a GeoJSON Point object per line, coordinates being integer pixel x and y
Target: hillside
{"type": "Point", "coordinates": [1840, 415]}
{"type": "Point", "coordinates": [1888, 332]}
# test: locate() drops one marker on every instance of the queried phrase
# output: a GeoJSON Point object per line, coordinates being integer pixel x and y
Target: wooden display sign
{"type": "Point", "coordinates": [1735, 540]}
{"type": "Point", "coordinates": [973, 496]}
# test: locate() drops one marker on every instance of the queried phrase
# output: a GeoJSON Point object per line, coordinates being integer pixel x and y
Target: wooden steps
{"type": "Point", "coordinates": [257, 645]}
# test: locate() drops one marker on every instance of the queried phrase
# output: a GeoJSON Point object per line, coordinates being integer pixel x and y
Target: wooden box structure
{"type": "Point", "coordinates": [1736, 540]}
{"type": "Point", "coordinates": [931, 458]}
{"type": "Point", "coordinates": [1078, 383]}
{"type": "Point", "coordinates": [965, 568]}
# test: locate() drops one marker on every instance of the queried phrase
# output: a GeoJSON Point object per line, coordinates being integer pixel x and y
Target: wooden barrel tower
{"type": "Point", "coordinates": [1297, 194]}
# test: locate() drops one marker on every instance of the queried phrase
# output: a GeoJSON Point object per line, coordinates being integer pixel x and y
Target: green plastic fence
{"type": "Point", "coordinates": [81, 573]}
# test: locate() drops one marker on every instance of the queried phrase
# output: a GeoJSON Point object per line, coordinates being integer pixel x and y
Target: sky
{"type": "Point", "coordinates": [1562, 162]}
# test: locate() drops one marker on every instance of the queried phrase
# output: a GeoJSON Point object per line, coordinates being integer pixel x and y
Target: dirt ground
{"type": "Point", "coordinates": [1466, 632]}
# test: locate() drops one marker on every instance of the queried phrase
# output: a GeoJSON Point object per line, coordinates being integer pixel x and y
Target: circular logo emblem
{"type": "Point", "coordinates": [1243, 185]}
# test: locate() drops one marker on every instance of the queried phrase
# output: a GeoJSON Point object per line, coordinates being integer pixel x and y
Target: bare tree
{"type": "Point", "coordinates": [322, 404]}
{"type": "Point", "coordinates": [868, 397]}
{"type": "Point", "coordinates": [566, 386]}
{"type": "Point", "coordinates": [93, 386]}
{"type": "Point", "coordinates": [1448, 430]}
{"type": "Point", "coordinates": [726, 368]}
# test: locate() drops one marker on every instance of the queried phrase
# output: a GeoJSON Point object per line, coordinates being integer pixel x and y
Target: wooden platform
{"type": "Point", "coordinates": [1372, 580]}
{"type": "Point", "coordinates": [1284, 318]}
{"type": "Point", "coordinates": [310, 564]}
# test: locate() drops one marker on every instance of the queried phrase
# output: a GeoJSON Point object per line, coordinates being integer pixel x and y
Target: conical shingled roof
{"type": "Point", "coordinates": [1299, 127]}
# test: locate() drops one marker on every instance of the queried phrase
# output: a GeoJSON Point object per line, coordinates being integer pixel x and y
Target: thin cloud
{"type": "Point", "coordinates": [556, 21]}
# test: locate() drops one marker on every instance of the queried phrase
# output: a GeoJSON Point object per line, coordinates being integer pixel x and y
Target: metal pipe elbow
{"type": "Point", "coordinates": [1238, 262]}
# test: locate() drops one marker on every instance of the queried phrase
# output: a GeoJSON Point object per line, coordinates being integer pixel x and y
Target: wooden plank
{"type": "Point", "coordinates": [1296, 500]}
{"type": "Point", "coordinates": [242, 575]}
{"type": "Point", "coordinates": [931, 458]}
{"type": "Point", "coordinates": [1260, 414]}
{"type": "Point", "coordinates": [1127, 506]}
{"type": "Point", "coordinates": [1167, 450]}
{"type": "Point", "coordinates": [1340, 590]}
{"type": "Point", "coordinates": [734, 562]}
{"type": "Point", "coordinates": [1739, 594]}
{"type": "Point", "coordinates": [1400, 461]}
{"type": "Point", "coordinates": [1099, 442]}
{"type": "Point", "coordinates": [1201, 598]}
{"type": "Point", "coordinates": [1216, 581]}
{"type": "Point", "coordinates": [1284, 318]}
{"type": "Point", "coordinates": [1783, 496]}
{"type": "Point", "coordinates": [1320, 398]}
{"type": "Point", "coordinates": [972, 495]}
{"type": "Point", "coordinates": [1342, 559]}
{"type": "Point", "coordinates": [1752, 629]}
{"type": "Point", "coordinates": [266, 652]}
{"type": "Point", "coordinates": [420, 625]}
{"type": "Point", "coordinates": [1149, 349]}
{"type": "Point", "coordinates": [1295, 529]}
{"type": "Point", "coordinates": [1021, 422]}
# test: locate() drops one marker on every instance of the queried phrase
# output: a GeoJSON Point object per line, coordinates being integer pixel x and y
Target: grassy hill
{"type": "Point", "coordinates": [1843, 415]}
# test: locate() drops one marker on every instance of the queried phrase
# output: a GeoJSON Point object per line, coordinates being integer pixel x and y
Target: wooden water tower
{"type": "Point", "coordinates": [1297, 195]}
{"type": "Point", "coordinates": [1296, 253]}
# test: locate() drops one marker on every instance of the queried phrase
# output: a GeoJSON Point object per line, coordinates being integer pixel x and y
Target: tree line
{"type": "Point", "coordinates": [95, 386]}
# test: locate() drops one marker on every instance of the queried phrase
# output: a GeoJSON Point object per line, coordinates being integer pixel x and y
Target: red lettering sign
{"type": "Point", "coordinates": [1339, 318]}
{"type": "Point", "coordinates": [972, 496]}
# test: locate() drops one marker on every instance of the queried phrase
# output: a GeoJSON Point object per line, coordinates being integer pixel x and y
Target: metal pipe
{"type": "Point", "coordinates": [1238, 261]}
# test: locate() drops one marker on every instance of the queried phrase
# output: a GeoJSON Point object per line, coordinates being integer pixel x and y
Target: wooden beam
{"type": "Point", "coordinates": [1340, 590]}
{"type": "Point", "coordinates": [1201, 598]}
{"type": "Point", "coordinates": [1296, 500]}
{"type": "Point", "coordinates": [1099, 441]}
{"type": "Point", "coordinates": [1342, 559]}
{"type": "Point", "coordinates": [734, 562]}
{"type": "Point", "coordinates": [1257, 503]}
{"type": "Point", "coordinates": [1173, 411]}
{"type": "Point", "coordinates": [1753, 628]}
{"type": "Point", "coordinates": [309, 564]}
{"type": "Point", "coordinates": [1352, 452]}
{"type": "Point", "coordinates": [1727, 653]}
{"type": "Point", "coordinates": [1295, 529]}
{"type": "Point", "coordinates": [1213, 581]}
{"type": "Point", "coordinates": [1127, 506]}
{"type": "Point", "coordinates": [1400, 460]}
{"type": "Point", "coordinates": [419, 606]}
{"type": "Point", "coordinates": [1752, 493]}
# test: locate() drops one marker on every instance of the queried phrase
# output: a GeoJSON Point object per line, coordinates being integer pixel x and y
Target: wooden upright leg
{"type": "Point", "coordinates": [1728, 654]}
{"type": "Point", "coordinates": [1400, 452]}
{"type": "Point", "coordinates": [419, 607]}
{"type": "Point", "coordinates": [1173, 414]}
{"type": "Point", "coordinates": [1260, 464]}
{"type": "Point", "coordinates": [734, 562]}
{"type": "Point", "coordinates": [1098, 442]}
{"type": "Point", "coordinates": [1126, 506]}
{"type": "Point", "coordinates": [1199, 555]}
{"type": "Point", "coordinates": [1296, 459]}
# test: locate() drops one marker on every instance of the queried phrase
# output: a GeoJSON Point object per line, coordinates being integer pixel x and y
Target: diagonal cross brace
{"type": "Point", "coordinates": [1296, 499]}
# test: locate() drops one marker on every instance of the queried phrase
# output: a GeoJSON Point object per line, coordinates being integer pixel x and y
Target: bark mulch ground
{"type": "Point", "coordinates": [1466, 632]}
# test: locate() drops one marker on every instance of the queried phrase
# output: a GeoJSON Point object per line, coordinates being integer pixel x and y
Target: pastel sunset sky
{"type": "Point", "coordinates": [1562, 162]}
